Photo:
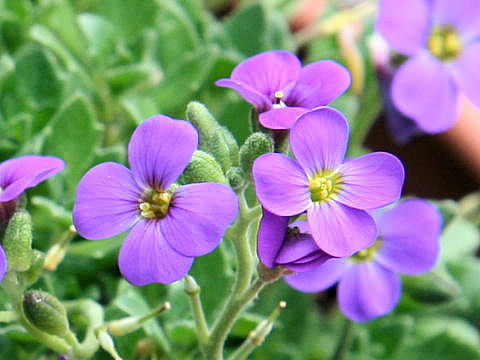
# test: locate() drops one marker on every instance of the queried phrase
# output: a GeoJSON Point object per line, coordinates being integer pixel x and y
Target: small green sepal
{"type": "Point", "coordinates": [223, 146]}
{"type": "Point", "coordinates": [202, 168]}
{"type": "Point", "coordinates": [236, 177]}
{"type": "Point", "coordinates": [206, 124]}
{"type": "Point", "coordinates": [256, 144]}
{"type": "Point", "coordinates": [17, 242]}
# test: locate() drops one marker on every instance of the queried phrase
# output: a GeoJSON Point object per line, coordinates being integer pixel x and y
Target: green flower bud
{"type": "Point", "coordinates": [46, 312]}
{"type": "Point", "coordinates": [198, 115]}
{"type": "Point", "coordinates": [190, 286]}
{"type": "Point", "coordinates": [236, 177]}
{"type": "Point", "coordinates": [256, 144]}
{"type": "Point", "coordinates": [17, 242]}
{"type": "Point", "coordinates": [223, 146]}
{"type": "Point", "coordinates": [30, 276]}
{"type": "Point", "coordinates": [202, 168]}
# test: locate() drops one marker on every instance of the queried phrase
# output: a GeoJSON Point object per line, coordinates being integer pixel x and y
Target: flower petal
{"type": "Point", "coordinates": [371, 181]}
{"type": "Point", "coordinates": [271, 232]}
{"type": "Point", "coordinates": [146, 257]}
{"type": "Point", "coordinates": [405, 24]}
{"type": "Point", "coordinates": [417, 88]}
{"type": "Point", "coordinates": [296, 247]}
{"type": "Point", "coordinates": [409, 235]}
{"type": "Point", "coordinates": [464, 15]}
{"type": "Point", "coordinates": [368, 290]}
{"type": "Point", "coordinates": [320, 278]}
{"type": "Point", "coordinates": [268, 72]}
{"type": "Point", "coordinates": [260, 101]}
{"type": "Point", "coordinates": [24, 172]}
{"type": "Point", "coordinates": [466, 72]}
{"type": "Point", "coordinates": [280, 184]}
{"type": "Point", "coordinates": [319, 139]}
{"type": "Point", "coordinates": [3, 263]}
{"type": "Point", "coordinates": [198, 217]}
{"type": "Point", "coordinates": [319, 84]}
{"type": "Point", "coordinates": [160, 149]}
{"type": "Point", "coordinates": [106, 202]}
{"type": "Point", "coordinates": [309, 262]}
{"type": "Point", "coordinates": [340, 230]}
{"type": "Point", "coordinates": [282, 118]}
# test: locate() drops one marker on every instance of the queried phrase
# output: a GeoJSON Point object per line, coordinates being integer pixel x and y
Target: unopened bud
{"type": "Point", "coordinates": [236, 177]}
{"type": "Point", "coordinates": [223, 146]}
{"type": "Point", "coordinates": [190, 286]}
{"type": "Point", "coordinates": [202, 168]}
{"type": "Point", "coordinates": [46, 312]}
{"type": "Point", "coordinates": [106, 343]}
{"type": "Point", "coordinates": [256, 144]}
{"type": "Point", "coordinates": [198, 115]}
{"type": "Point", "coordinates": [18, 241]}
{"type": "Point", "coordinates": [30, 276]}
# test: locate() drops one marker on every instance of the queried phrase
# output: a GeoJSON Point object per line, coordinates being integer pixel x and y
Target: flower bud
{"type": "Point", "coordinates": [202, 168]}
{"type": "Point", "coordinates": [223, 146]}
{"type": "Point", "coordinates": [256, 144]}
{"type": "Point", "coordinates": [236, 177]}
{"type": "Point", "coordinates": [30, 276]}
{"type": "Point", "coordinates": [106, 343]}
{"type": "Point", "coordinates": [17, 242]}
{"type": "Point", "coordinates": [191, 287]}
{"type": "Point", "coordinates": [198, 115]}
{"type": "Point", "coordinates": [46, 312]}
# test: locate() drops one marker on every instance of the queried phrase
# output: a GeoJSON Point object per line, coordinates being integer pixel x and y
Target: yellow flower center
{"type": "Point", "coordinates": [367, 254]}
{"type": "Point", "coordinates": [325, 184]}
{"type": "Point", "coordinates": [278, 100]}
{"type": "Point", "coordinates": [155, 204]}
{"type": "Point", "coordinates": [445, 43]}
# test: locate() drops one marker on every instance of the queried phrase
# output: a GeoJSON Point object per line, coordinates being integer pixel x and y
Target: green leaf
{"type": "Point", "coordinates": [391, 333]}
{"type": "Point", "coordinates": [245, 324]}
{"type": "Point", "coordinates": [459, 239]}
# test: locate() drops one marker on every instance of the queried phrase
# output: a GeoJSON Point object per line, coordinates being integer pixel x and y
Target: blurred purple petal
{"type": "Point", "coordinates": [424, 90]}
{"type": "Point", "coordinates": [368, 290]}
{"type": "Point", "coordinates": [371, 181]}
{"type": "Point", "coordinates": [464, 15]}
{"type": "Point", "coordinates": [405, 24]}
{"type": "Point", "coordinates": [295, 247]}
{"type": "Point", "coordinates": [3, 263]}
{"type": "Point", "coordinates": [271, 232]}
{"type": "Point", "coordinates": [319, 139]}
{"type": "Point", "coordinates": [466, 71]}
{"type": "Point", "coordinates": [409, 235]}
{"type": "Point", "coordinates": [198, 217]}
{"type": "Point", "coordinates": [160, 149]}
{"type": "Point", "coordinates": [106, 201]}
{"type": "Point", "coordinates": [282, 118]}
{"type": "Point", "coordinates": [319, 84]}
{"type": "Point", "coordinates": [281, 184]}
{"type": "Point", "coordinates": [340, 230]}
{"type": "Point", "coordinates": [260, 101]}
{"type": "Point", "coordinates": [146, 257]}
{"type": "Point", "coordinates": [320, 278]}
{"type": "Point", "coordinates": [24, 172]}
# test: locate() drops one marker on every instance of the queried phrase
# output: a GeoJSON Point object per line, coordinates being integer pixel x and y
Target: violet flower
{"type": "Point", "coordinates": [408, 243]}
{"type": "Point", "coordinates": [275, 83]}
{"type": "Point", "coordinates": [287, 245]}
{"type": "Point", "coordinates": [335, 194]}
{"type": "Point", "coordinates": [170, 225]}
{"type": "Point", "coordinates": [442, 39]}
{"type": "Point", "coordinates": [17, 175]}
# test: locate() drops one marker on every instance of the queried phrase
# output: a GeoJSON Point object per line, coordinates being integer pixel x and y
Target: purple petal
{"type": "Point", "coordinates": [260, 101]}
{"type": "Point", "coordinates": [368, 290]}
{"type": "Point", "coordinates": [281, 184]}
{"type": "Point", "coordinates": [320, 278]}
{"type": "Point", "coordinates": [423, 89]}
{"type": "Point", "coordinates": [106, 202]}
{"type": "Point", "coordinates": [463, 15]}
{"type": "Point", "coordinates": [268, 72]}
{"type": "Point", "coordinates": [319, 84]}
{"type": "Point", "coordinates": [466, 71]}
{"type": "Point", "coordinates": [371, 181]}
{"type": "Point", "coordinates": [340, 230]}
{"type": "Point", "coordinates": [3, 263]}
{"type": "Point", "coordinates": [146, 257]}
{"type": "Point", "coordinates": [24, 172]}
{"type": "Point", "coordinates": [409, 235]}
{"type": "Point", "coordinates": [198, 217]}
{"type": "Point", "coordinates": [296, 247]}
{"type": "Point", "coordinates": [302, 226]}
{"type": "Point", "coordinates": [319, 139]}
{"type": "Point", "coordinates": [271, 232]}
{"type": "Point", "coordinates": [405, 24]}
{"type": "Point", "coordinates": [160, 149]}
{"type": "Point", "coordinates": [282, 118]}
{"type": "Point", "coordinates": [309, 262]}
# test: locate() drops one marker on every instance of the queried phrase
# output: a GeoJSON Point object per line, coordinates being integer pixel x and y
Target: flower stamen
{"type": "Point", "coordinates": [155, 204]}
{"type": "Point", "coordinates": [278, 100]}
{"type": "Point", "coordinates": [324, 185]}
{"type": "Point", "coordinates": [367, 254]}
{"type": "Point", "coordinates": [445, 43]}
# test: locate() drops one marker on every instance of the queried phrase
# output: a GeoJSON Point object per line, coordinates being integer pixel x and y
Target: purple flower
{"type": "Point", "coordinates": [335, 194]}
{"type": "Point", "coordinates": [280, 89]}
{"type": "Point", "coordinates": [17, 175]}
{"type": "Point", "coordinates": [442, 39]}
{"type": "Point", "coordinates": [408, 243]}
{"type": "Point", "coordinates": [170, 225]}
{"type": "Point", "coordinates": [288, 245]}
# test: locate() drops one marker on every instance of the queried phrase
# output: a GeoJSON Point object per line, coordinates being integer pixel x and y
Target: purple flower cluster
{"type": "Point", "coordinates": [171, 225]}
{"type": "Point", "coordinates": [17, 175]}
{"type": "Point", "coordinates": [442, 40]}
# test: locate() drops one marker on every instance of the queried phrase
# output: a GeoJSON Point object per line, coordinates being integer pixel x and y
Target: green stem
{"type": "Point", "coordinates": [193, 291]}
{"type": "Point", "coordinates": [8, 316]}
{"type": "Point", "coordinates": [344, 341]}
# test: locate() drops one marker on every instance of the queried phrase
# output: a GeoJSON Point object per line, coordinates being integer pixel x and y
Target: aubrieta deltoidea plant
{"type": "Point", "coordinates": [212, 245]}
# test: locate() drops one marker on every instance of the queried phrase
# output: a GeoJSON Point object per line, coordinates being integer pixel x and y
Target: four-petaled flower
{"type": "Point", "coordinates": [171, 225]}
{"type": "Point", "coordinates": [408, 243]}
{"type": "Point", "coordinates": [17, 175]}
{"type": "Point", "coordinates": [335, 194]}
{"type": "Point", "coordinates": [442, 39]}
{"type": "Point", "coordinates": [280, 89]}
